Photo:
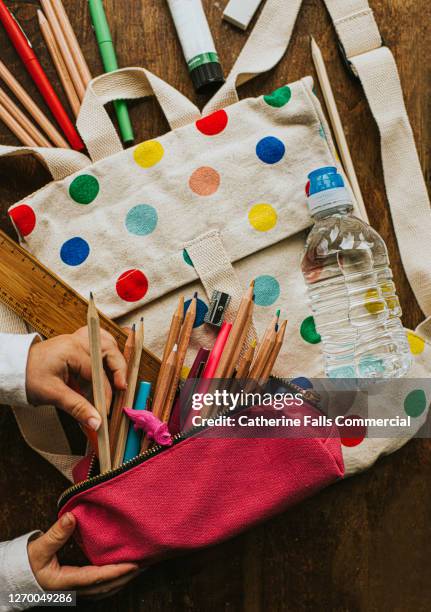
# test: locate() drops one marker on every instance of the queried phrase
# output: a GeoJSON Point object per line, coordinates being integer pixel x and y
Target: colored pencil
{"type": "Point", "coordinates": [163, 391]}
{"type": "Point", "coordinates": [133, 444]}
{"type": "Point", "coordinates": [16, 128]}
{"type": "Point", "coordinates": [129, 397]}
{"type": "Point", "coordinates": [175, 328]}
{"type": "Point", "coordinates": [217, 351]}
{"type": "Point", "coordinates": [69, 62]}
{"type": "Point", "coordinates": [337, 126]}
{"type": "Point", "coordinates": [37, 73]}
{"type": "Point", "coordinates": [58, 62]}
{"type": "Point", "coordinates": [99, 396]}
{"type": "Point", "coordinates": [23, 120]}
{"type": "Point", "coordinates": [183, 344]}
{"type": "Point", "coordinates": [263, 353]}
{"type": "Point", "coordinates": [238, 333]}
{"type": "Point", "coordinates": [267, 371]}
{"type": "Point", "coordinates": [72, 41]}
{"type": "Point", "coordinates": [118, 403]}
{"type": "Point", "coordinates": [246, 361]}
{"type": "Point", "coordinates": [39, 117]}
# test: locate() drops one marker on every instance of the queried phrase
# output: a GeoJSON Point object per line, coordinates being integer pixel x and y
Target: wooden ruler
{"type": "Point", "coordinates": [50, 306]}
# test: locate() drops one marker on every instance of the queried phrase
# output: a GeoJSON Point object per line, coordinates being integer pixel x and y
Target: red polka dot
{"type": "Point", "coordinates": [24, 218]}
{"type": "Point", "coordinates": [132, 286]}
{"type": "Point", "coordinates": [307, 189]}
{"type": "Point", "coordinates": [352, 435]}
{"type": "Point", "coordinates": [213, 124]}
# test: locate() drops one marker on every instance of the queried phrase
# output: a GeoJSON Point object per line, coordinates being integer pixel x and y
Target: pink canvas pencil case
{"type": "Point", "coordinates": [200, 491]}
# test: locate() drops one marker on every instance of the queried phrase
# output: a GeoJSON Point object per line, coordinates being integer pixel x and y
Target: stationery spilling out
{"type": "Point", "coordinates": [161, 419]}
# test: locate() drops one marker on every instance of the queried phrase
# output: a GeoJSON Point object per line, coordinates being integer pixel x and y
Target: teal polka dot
{"type": "Point", "coordinates": [84, 189]}
{"type": "Point", "coordinates": [141, 220]}
{"type": "Point", "coordinates": [279, 97]}
{"type": "Point", "coordinates": [266, 290]}
{"type": "Point", "coordinates": [187, 258]}
{"type": "Point", "coordinates": [308, 331]}
{"type": "Point", "coordinates": [415, 403]}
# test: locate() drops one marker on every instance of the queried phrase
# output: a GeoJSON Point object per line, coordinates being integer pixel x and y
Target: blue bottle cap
{"type": "Point", "coordinates": [327, 190]}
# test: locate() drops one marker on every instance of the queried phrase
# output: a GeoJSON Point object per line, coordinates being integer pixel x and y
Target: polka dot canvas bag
{"type": "Point", "coordinates": [220, 200]}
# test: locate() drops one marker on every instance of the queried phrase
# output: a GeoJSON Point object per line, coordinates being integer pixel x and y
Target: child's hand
{"type": "Point", "coordinates": [51, 363]}
{"type": "Point", "coordinates": [89, 580]}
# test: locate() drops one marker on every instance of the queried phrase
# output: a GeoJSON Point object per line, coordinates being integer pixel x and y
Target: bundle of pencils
{"type": "Point", "coordinates": [233, 356]}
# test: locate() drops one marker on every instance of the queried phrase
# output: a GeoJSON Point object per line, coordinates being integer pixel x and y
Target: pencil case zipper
{"type": "Point", "coordinates": [156, 449]}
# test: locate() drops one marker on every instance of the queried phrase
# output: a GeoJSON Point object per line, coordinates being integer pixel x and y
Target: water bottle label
{"type": "Point", "coordinates": [338, 196]}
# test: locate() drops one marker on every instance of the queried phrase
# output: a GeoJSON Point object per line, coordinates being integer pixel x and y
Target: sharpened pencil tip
{"type": "Point", "coordinates": [252, 283]}
{"type": "Point", "coordinates": [278, 313]}
{"type": "Point", "coordinates": [142, 319]}
{"type": "Point", "coordinates": [254, 344]}
{"type": "Point", "coordinates": [196, 295]}
{"type": "Point", "coordinates": [91, 295]}
{"type": "Point", "coordinates": [175, 349]}
{"type": "Point", "coordinates": [134, 327]}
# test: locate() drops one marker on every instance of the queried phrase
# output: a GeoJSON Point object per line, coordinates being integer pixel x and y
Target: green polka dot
{"type": "Point", "coordinates": [266, 290]}
{"type": "Point", "coordinates": [141, 220]}
{"type": "Point", "coordinates": [308, 331]}
{"type": "Point", "coordinates": [415, 403]}
{"type": "Point", "coordinates": [279, 97]}
{"type": "Point", "coordinates": [187, 258]}
{"type": "Point", "coordinates": [84, 189]}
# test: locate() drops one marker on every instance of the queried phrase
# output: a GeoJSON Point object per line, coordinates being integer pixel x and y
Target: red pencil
{"type": "Point", "coordinates": [28, 56]}
{"type": "Point", "coordinates": [217, 351]}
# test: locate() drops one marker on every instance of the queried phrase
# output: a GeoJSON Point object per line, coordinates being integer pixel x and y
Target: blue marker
{"type": "Point", "coordinates": [133, 444]}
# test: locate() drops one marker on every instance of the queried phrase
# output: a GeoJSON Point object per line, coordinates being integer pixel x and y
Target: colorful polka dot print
{"type": "Point", "coordinates": [84, 189]}
{"type": "Point", "coordinates": [24, 219]}
{"type": "Point", "coordinates": [201, 311]}
{"type": "Point", "coordinates": [263, 217]}
{"type": "Point", "coordinates": [148, 154]}
{"type": "Point", "coordinates": [214, 124]}
{"type": "Point", "coordinates": [308, 331]}
{"type": "Point", "coordinates": [141, 220]}
{"type": "Point", "coordinates": [266, 290]}
{"type": "Point", "coordinates": [279, 97]}
{"type": "Point", "coordinates": [352, 435]}
{"type": "Point", "coordinates": [74, 251]}
{"type": "Point", "coordinates": [415, 403]}
{"type": "Point", "coordinates": [187, 258]}
{"type": "Point", "coordinates": [132, 286]}
{"type": "Point", "coordinates": [204, 181]}
{"type": "Point", "coordinates": [270, 150]}
{"type": "Point", "coordinates": [417, 344]}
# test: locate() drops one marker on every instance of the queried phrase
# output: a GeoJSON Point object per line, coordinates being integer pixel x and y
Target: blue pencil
{"type": "Point", "coordinates": [133, 443]}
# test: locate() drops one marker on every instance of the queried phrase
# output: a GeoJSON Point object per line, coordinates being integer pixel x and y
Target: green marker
{"type": "Point", "coordinates": [110, 63]}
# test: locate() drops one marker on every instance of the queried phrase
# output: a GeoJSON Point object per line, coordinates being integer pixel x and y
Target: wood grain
{"type": "Point", "coordinates": [361, 545]}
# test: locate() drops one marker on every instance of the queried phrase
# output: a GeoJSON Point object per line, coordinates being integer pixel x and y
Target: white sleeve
{"type": "Point", "coordinates": [14, 350]}
{"type": "Point", "coordinates": [16, 575]}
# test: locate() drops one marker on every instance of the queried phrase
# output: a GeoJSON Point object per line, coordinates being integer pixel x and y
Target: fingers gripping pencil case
{"type": "Point", "coordinates": [198, 492]}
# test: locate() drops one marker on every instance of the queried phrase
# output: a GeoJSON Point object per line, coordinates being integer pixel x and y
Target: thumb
{"type": "Point", "coordinates": [77, 406]}
{"type": "Point", "coordinates": [48, 544]}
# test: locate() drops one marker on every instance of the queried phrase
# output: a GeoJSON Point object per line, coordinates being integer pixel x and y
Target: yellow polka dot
{"type": "Point", "coordinates": [417, 345]}
{"type": "Point", "coordinates": [374, 305]}
{"type": "Point", "coordinates": [148, 153]}
{"type": "Point", "coordinates": [262, 217]}
{"type": "Point", "coordinates": [184, 372]}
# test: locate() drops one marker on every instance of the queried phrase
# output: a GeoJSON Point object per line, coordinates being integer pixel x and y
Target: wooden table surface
{"type": "Point", "coordinates": [363, 544]}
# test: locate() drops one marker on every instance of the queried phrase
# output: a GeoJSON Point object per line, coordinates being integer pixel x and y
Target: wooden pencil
{"type": "Point", "coordinates": [99, 396]}
{"type": "Point", "coordinates": [39, 117]}
{"type": "Point", "coordinates": [241, 342]}
{"type": "Point", "coordinates": [337, 126]}
{"type": "Point", "coordinates": [163, 390]}
{"type": "Point", "coordinates": [64, 48]}
{"type": "Point", "coordinates": [227, 362]}
{"type": "Point", "coordinates": [23, 120]}
{"type": "Point", "coordinates": [58, 62]}
{"type": "Point", "coordinates": [175, 328]}
{"type": "Point", "coordinates": [129, 397]}
{"type": "Point", "coordinates": [267, 371]}
{"type": "Point", "coordinates": [16, 128]}
{"type": "Point", "coordinates": [72, 41]}
{"type": "Point", "coordinates": [263, 353]}
{"type": "Point", "coordinates": [246, 361]}
{"type": "Point", "coordinates": [118, 402]}
{"type": "Point", "coordinates": [183, 345]}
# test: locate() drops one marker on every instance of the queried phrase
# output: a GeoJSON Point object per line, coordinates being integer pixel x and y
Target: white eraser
{"type": "Point", "coordinates": [240, 12]}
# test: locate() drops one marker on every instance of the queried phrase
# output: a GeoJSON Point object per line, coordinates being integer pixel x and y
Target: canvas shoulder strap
{"type": "Point", "coordinates": [375, 66]}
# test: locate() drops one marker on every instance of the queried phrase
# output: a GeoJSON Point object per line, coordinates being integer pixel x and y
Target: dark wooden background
{"type": "Point", "coordinates": [362, 545]}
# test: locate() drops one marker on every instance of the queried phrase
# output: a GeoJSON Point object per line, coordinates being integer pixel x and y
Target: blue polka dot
{"type": "Point", "coordinates": [266, 290]}
{"type": "Point", "coordinates": [187, 258]}
{"type": "Point", "coordinates": [201, 310]}
{"type": "Point", "coordinates": [74, 251]}
{"type": "Point", "coordinates": [141, 220]}
{"type": "Point", "coordinates": [270, 150]}
{"type": "Point", "coordinates": [303, 382]}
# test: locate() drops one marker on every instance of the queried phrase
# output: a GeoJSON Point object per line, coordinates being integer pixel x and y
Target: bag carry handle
{"type": "Point", "coordinates": [94, 124]}
{"type": "Point", "coordinates": [375, 66]}
{"type": "Point", "coordinates": [60, 162]}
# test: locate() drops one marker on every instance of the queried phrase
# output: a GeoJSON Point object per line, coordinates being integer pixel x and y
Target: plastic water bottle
{"type": "Point", "coordinates": [353, 297]}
